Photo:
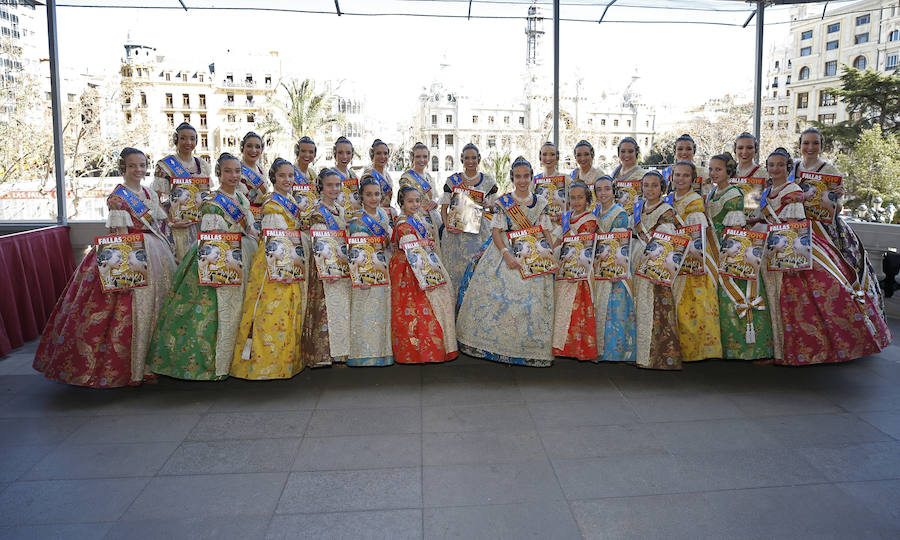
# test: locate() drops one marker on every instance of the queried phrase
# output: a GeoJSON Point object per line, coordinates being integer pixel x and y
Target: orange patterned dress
{"type": "Point", "coordinates": [574, 325]}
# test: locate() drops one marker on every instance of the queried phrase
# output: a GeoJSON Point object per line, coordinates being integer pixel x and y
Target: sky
{"type": "Point", "coordinates": [394, 57]}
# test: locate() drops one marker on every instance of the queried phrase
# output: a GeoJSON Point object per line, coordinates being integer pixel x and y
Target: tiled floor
{"type": "Point", "coordinates": [464, 450]}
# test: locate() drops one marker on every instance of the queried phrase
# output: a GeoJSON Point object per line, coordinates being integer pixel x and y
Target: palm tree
{"type": "Point", "coordinates": [305, 111]}
{"type": "Point", "coordinates": [497, 164]}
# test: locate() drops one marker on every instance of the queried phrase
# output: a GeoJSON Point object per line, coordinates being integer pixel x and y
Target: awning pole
{"type": "Point", "coordinates": [59, 162]}
{"type": "Point", "coordinates": [556, 73]}
{"type": "Point", "coordinates": [757, 89]}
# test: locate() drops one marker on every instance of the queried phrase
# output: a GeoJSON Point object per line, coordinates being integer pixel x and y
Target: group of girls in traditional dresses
{"type": "Point", "coordinates": [266, 329]}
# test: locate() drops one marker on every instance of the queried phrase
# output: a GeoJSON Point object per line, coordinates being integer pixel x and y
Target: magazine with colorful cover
{"type": "Point", "coordinates": [789, 246]}
{"type": "Point", "coordinates": [662, 258]}
{"type": "Point", "coordinates": [741, 252]}
{"type": "Point", "coordinates": [285, 256]}
{"type": "Point", "coordinates": [752, 188]}
{"type": "Point", "coordinates": [629, 191]}
{"type": "Point", "coordinates": [121, 261]}
{"type": "Point", "coordinates": [552, 188]}
{"type": "Point", "coordinates": [425, 263]}
{"type": "Point", "coordinates": [692, 265]}
{"type": "Point", "coordinates": [368, 263]}
{"type": "Point", "coordinates": [186, 197]}
{"type": "Point", "coordinates": [576, 257]}
{"type": "Point", "coordinates": [329, 250]}
{"type": "Point", "coordinates": [257, 218]}
{"type": "Point", "coordinates": [465, 210]}
{"type": "Point", "coordinates": [350, 198]}
{"type": "Point", "coordinates": [819, 199]}
{"type": "Point", "coordinates": [219, 258]}
{"type": "Point", "coordinates": [612, 256]}
{"type": "Point", "coordinates": [307, 198]}
{"type": "Point", "coordinates": [532, 251]}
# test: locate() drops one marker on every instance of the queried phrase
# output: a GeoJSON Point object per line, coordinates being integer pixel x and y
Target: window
{"type": "Point", "coordinates": [826, 99]}
{"type": "Point", "coordinates": [186, 100]}
{"type": "Point", "coordinates": [249, 78]}
{"type": "Point", "coordinates": [782, 124]}
{"type": "Point", "coordinates": [506, 120]}
{"type": "Point", "coordinates": [435, 141]}
{"type": "Point", "coordinates": [433, 119]}
{"type": "Point", "coordinates": [229, 78]}
{"type": "Point", "coordinates": [476, 139]}
{"type": "Point", "coordinates": [807, 34]}
{"type": "Point", "coordinates": [186, 117]}
{"type": "Point", "coordinates": [782, 109]}
{"type": "Point", "coordinates": [834, 27]}
{"type": "Point", "coordinates": [251, 118]}
{"type": "Point", "coordinates": [616, 122]}
{"type": "Point", "coordinates": [448, 163]}
{"type": "Point", "coordinates": [448, 140]}
{"type": "Point", "coordinates": [521, 120]}
{"type": "Point", "coordinates": [777, 67]}
{"type": "Point", "coordinates": [775, 93]}
{"type": "Point", "coordinates": [474, 118]}
{"type": "Point", "coordinates": [787, 81]}
{"type": "Point", "coordinates": [170, 118]}
{"type": "Point", "coordinates": [629, 123]}
{"type": "Point", "coordinates": [168, 76]}
{"type": "Point", "coordinates": [128, 117]}
{"type": "Point", "coordinates": [861, 38]}
{"type": "Point", "coordinates": [827, 119]}
{"type": "Point", "coordinates": [769, 110]}
{"type": "Point", "coordinates": [894, 35]}
{"type": "Point", "coordinates": [775, 82]}
{"type": "Point", "coordinates": [647, 122]}
{"type": "Point", "coordinates": [804, 73]}
{"type": "Point", "coordinates": [891, 62]}
{"type": "Point", "coordinates": [202, 120]}
{"type": "Point", "coordinates": [268, 80]}
{"type": "Point", "coordinates": [590, 121]}
{"type": "Point", "coordinates": [232, 117]}
{"type": "Point", "coordinates": [603, 121]}
{"type": "Point", "coordinates": [449, 118]}
{"type": "Point", "coordinates": [434, 163]}
{"type": "Point", "coordinates": [860, 62]}
{"type": "Point", "coordinates": [229, 98]}
{"type": "Point", "coordinates": [204, 140]}
{"type": "Point", "coordinates": [862, 19]}
{"type": "Point", "coordinates": [806, 51]}
{"type": "Point", "coordinates": [492, 141]}
{"type": "Point", "coordinates": [202, 98]}
{"type": "Point", "coordinates": [831, 45]}
{"type": "Point", "coordinates": [169, 101]}
{"type": "Point", "coordinates": [491, 120]}
{"type": "Point", "coordinates": [770, 124]}
{"type": "Point", "coordinates": [127, 98]}
{"type": "Point", "coordinates": [143, 99]}
{"type": "Point", "coordinates": [249, 99]}
{"type": "Point", "coordinates": [831, 68]}
{"type": "Point", "coordinates": [803, 100]}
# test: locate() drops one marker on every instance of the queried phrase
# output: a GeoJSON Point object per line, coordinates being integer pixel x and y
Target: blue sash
{"type": "Point", "coordinates": [572, 176]}
{"type": "Point", "coordinates": [180, 172]}
{"type": "Point", "coordinates": [456, 180]}
{"type": "Point", "coordinates": [373, 225]}
{"type": "Point", "coordinates": [385, 187]}
{"type": "Point", "coordinates": [251, 175]}
{"type": "Point", "coordinates": [417, 226]}
{"type": "Point", "coordinates": [667, 173]}
{"type": "Point", "coordinates": [339, 173]}
{"type": "Point", "coordinates": [615, 172]}
{"type": "Point", "coordinates": [566, 221]}
{"type": "Point", "coordinates": [287, 203]}
{"type": "Point", "coordinates": [426, 187]}
{"type": "Point", "coordinates": [764, 199]}
{"type": "Point", "coordinates": [670, 198]}
{"type": "Point", "coordinates": [299, 178]}
{"type": "Point", "coordinates": [638, 208]}
{"type": "Point", "coordinates": [329, 219]}
{"type": "Point", "coordinates": [137, 207]}
{"type": "Point", "coordinates": [230, 208]}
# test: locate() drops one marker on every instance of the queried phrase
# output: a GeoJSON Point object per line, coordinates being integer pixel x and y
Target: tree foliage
{"type": "Point", "coordinates": [872, 168]}
{"type": "Point", "coordinates": [871, 98]}
{"type": "Point", "coordinates": [497, 165]}
{"type": "Point", "coordinates": [305, 112]}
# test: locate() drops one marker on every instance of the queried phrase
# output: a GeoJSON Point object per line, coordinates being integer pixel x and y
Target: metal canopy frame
{"type": "Point", "coordinates": [56, 101]}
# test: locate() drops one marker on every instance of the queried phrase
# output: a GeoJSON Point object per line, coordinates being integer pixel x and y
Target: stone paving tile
{"type": "Point", "coordinates": [342, 491]}
{"type": "Point", "coordinates": [620, 476]}
{"type": "Point", "coordinates": [747, 468]}
{"type": "Point", "coordinates": [189, 497]}
{"type": "Point", "coordinates": [370, 396]}
{"type": "Point", "coordinates": [488, 417]}
{"type": "Point", "coordinates": [496, 483]}
{"type": "Point", "coordinates": [599, 411]}
{"type": "Point", "coordinates": [369, 525]}
{"type": "Point", "coordinates": [712, 435]}
{"type": "Point", "coordinates": [600, 441]}
{"type": "Point", "coordinates": [16, 460]}
{"type": "Point", "coordinates": [232, 456]}
{"type": "Point", "coordinates": [470, 393]}
{"type": "Point", "coordinates": [681, 407]}
{"type": "Point", "coordinates": [284, 396]}
{"type": "Point", "coordinates": [326, 423]}
{"type": "Point", "coordinates": [783, 402]}
{"type": "Point", "coordinates": [881, 497]}
{"type": "Point", "coordinates": [195, 528]}
{"type": "Point", "coordinates": [68, 501]}
{"type": "Point", "coordinates": [237, 425]}
{"type": "Point", "coordinates": [820, 430]}
{"type": "Point", "coordinates": [887, 421]}
{"type": "Point", "coordinates": [29, 431]}
{"type": "Point", "coordinates": [867, 461]}
{"type": "Point", "coordinates": [481, 447]}
{"type": "Point", "coordinates": [537, 520]}
{"type": "Point", "coordinates": [79, 531]}
{"type": "Point", "coordinates": [134, 428]}
{"type": "Point", "coordinates": [359, 452]}
{"type": "Point", "coordinates": [102, 461]}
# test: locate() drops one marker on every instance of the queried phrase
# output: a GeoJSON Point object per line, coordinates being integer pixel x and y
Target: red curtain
{"type": "Point", "coordinates": [35, 267]}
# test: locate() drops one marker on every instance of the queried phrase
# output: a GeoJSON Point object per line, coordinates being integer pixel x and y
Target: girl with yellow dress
{"type": "Point", "coordinates": [370, 306]}
{"type": "Point", "coordinates": [695, 295]}
{"type": "Point", "coordinates": [684, 149]}
{"type": "Point", "coordinates": [657, 343]}
{"type": "Point", "coordinates": [326, 322]}
{"type": "Point", "coordinates": [253, 184]}
{"type": "Point", "coordinates": [268, 340]}
{"type": "Point", "coordinates": [182, 164]}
